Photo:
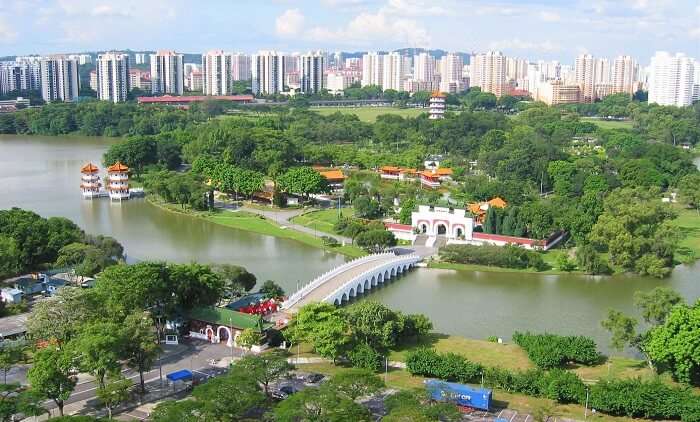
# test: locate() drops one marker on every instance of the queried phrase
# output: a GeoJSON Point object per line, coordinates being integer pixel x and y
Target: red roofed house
{"type": "Point", "coordinates": [335, 178]}
{"type": "Point", "coordinates": [397, 173]}
{"type": "Point", "coordinates": [434, 178]}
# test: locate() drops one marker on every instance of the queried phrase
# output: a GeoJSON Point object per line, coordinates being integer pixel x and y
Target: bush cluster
{"type": "Point", "coordinates": [632, 397]}
{"type": "Point", "coordinates": [549, 351]}
{"type": "Point", "coordinates": [509, 256]}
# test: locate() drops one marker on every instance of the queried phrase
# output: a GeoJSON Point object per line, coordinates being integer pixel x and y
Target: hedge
{"type": "Point", "coordinates": [549, 351]}
{"type": "Point", "coordinates": [632, 397]}
{"type": "Point", "coordinates": [508, 256]}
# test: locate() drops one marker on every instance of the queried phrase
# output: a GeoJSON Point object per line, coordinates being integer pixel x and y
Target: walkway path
{"type": "Point", "coordinates": [351, 279]}
{"type": "Point", "coordinates": [284, 218]}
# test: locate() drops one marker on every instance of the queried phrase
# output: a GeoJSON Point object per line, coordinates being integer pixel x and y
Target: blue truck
{"type": "Point", "coordinates": [459, 394]}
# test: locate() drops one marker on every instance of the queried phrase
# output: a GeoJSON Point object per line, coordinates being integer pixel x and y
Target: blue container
{"type": "Point", "coordinates": [459, 394]}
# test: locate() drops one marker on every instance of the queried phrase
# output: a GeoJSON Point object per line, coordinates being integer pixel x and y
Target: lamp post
{"type": "Point", "coordinates": [585, 411]}
{"type": "Point", "coordinates": [230, 323]}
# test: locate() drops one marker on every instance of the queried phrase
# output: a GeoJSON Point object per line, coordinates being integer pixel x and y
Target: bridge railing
{"type": "Point", "coordinates": [307, 288]}
{"type": "Point", "coordinates": [407, 259]}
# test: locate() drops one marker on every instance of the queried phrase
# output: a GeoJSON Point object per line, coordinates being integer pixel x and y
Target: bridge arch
{"type": "Point", "coordinates": [345, 298]}
{"type": "Point", "coordinates": [352, 292]}
{"type": "Point", "coordinates": [393, 272]}
{"type": "Point", "coordinates": [380, 278]}
{"type": "Point", "coordinates": [359, 288]}
{"type": "Point", "coordinates": [336, 302]}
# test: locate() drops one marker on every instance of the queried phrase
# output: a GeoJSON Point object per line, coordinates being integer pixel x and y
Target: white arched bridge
{"type": "Point", "coordinates": [351, 279]}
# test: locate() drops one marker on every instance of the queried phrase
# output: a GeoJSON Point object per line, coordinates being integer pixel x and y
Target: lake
{"type": "Point", "coordinates": [42, 174]}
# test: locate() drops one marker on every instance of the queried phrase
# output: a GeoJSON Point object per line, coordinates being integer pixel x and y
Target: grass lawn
{"type": "Point", "coordinates": [609, 124]}
{"type": "Point", "coordinates": [242, 220]}
{"type": "Point", "coordinates": [615, 367]}
{"type": "Point", "coordinates": [369, 114]}
{"type": "Point", "coordinates": [322, 220]}
{"type": "Point", "coordinates": [491, 269]}
{"type": "Point", "coordinates": [508, 356]}
{"type": "Point", "coordinates": [689, 247]}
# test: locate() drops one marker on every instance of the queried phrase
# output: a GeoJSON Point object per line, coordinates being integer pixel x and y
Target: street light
{"type": "Point", "coordinates": [585, 411]}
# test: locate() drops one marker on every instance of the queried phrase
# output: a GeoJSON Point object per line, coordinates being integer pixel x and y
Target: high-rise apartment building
{"type": "Point", "coordinates": [113, 77]}
{"type": "Point", "coordinates": [585, 76]}
{"type": "Point", "coordinates": [167, 73]}
{"type": "Point", "coordinates": [393, 71]}
{"type": "Point", "coordinates": [671, 79]}
{"type": "Point", "coordinates": [488, 72]}
{"type": "Point", "coordinates": [216, 73]}
{"type": "Point", "coordinates": [268, 71]}
{"type": "Point", "coordinates": [82, 59]}
{"type": "Point", "coordinates": [313, 67]}
{"type": "Point", "coordinates": [451, 66]}
{"type": "Point", "coordinates": [624, 75]}
{"type": "Point", "coordinates": [423, 67]}
{"type": "Point", "coordinates": [140, 58]}
{"type": "Point", "coordinates": [602, 71]}
{"type": "Point", "coordinates": [240, 67]}
{"type": "Point", "coordinates": [515, 68]}
{"type": "Point", "coordinates": [372, 69]}
{"type": "Point", "coordinates": [59, 79]}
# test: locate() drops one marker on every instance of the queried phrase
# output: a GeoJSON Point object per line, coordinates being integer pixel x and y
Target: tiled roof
{"type": "Point", "coordinates": [89, 168]}
{"type": "Point", "coordinates": [223, 316]}
{"type": "Point", "coordinates": [333, 175]}
{"type": "Point", "coordinates": [117, 167]}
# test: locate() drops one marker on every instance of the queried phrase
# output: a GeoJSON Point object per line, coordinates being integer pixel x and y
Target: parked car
{"type": "Point", "coordinates": [313, 378]}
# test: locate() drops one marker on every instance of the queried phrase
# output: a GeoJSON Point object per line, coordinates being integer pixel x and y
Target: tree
{"type": "Point", "coordinates": [114, 393]}
{"type": "Point", "coordinates": [622, 329]}
{"type": "Point", "coordinates": [11, 352]}
{"type": "Point", "coordinates": [417, 405]}
{"type": "Point", "coordinates": [363, 356]}
{"type": "Point", "coordinates": [320, 404]}
{"type": "Point", "coordinates": [140, 348]}
{"type": "Point", "coordinates": [265, 368]}
{"type": "Point", "coordinates": [302, 180]}
{"type": "Point", "coordinates": [9, 257]}
{"type": "Point", "coordinates": [656, 304]}
{"type": "Point", "coordinates": [236, 279]}
{"type": "Point", "coordinates": [249, 338]}
{"type": "Point", "coordinates": [689, 188]}
{"type": "Point", "coordinates": [63, 315]}
{"type": "Point", "coordinates": [564, 263]}
{"type": "Point", "coordinates": [271, 290]}
{"type": "Point", "coordinates": [51, 375]}
{"type": "Point", "coordinates": [15, 398]}
{"type": "Point", "coordinates": [322, 325]}
{"type": "Point", "coordinates": [355, 383]}
{"type": "Point", "coordinates": [181, 410]}
{"type": "Point", "coordinates": [590, 261]}
{"type": "Point", "coordinates": [407, 207]}
{"type": "Point", "coordinates": [415, 326]}
{"type": "Point", "coordinates": [375, 324]}
{"type": "Point", "coordinates": [98, 349]}
{"type": "Point", "coordinates": [376, 241]}
{"type": "Point", "coordinates": [228, 397]}
{"type": "Point", "coordinates": [366, 207]}
{"type": "Point", "coordinates": [675, 345]}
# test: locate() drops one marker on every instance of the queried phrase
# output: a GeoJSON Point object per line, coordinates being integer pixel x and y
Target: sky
{"type": "Point", "coordinates": [532, 29]}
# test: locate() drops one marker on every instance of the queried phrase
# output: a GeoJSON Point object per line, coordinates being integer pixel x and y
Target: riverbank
{"type": "Point", "coordinates": [247, 221]}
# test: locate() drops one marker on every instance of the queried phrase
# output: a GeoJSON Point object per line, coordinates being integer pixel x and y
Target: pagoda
{"type": "Point", "coordinates": [118, 181]}
{"type": "Point", "coordinates": [437, 106]}
{"type": "Point", "coordinates": [90, 181]}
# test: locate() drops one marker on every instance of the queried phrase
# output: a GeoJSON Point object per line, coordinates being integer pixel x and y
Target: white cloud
{"type": "Point", "coordinates": [7, 33]}
{"type": "Point", "coordinates": [549, 16]}
{"type": "Point", "coordinates": [694, 33]}
{"type": "Point", "coordinates": [414, 8]}
{"type": "Point", "coordinates": [370, 29]}
{"type": "Point", "coordinates": [290, 23]}
{"type": "Point", "coordinates": [518, 44]}
{"type": "Point", "coordinates": [106, 10]}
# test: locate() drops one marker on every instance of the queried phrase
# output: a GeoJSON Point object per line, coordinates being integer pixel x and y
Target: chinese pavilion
{"type": "Point", "coordinates": [90, 181]}
{"type": "Point", "coordinates": [118, 181]}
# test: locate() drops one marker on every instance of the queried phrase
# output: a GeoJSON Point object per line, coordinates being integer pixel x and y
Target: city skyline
{"type": "Point", "coordinates": [543, 29]}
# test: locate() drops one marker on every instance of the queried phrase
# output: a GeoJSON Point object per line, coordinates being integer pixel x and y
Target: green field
{"type": "Point", "coordinates": [322, 220]}
{"type": "Point", "coordinates": [247, 221]}
{"type": "Point", "coordinates": [689, 247]}
{"type": "Point", "coordinates": [608, 124]}
{"type": "Point", "coordinates": [369, 114]}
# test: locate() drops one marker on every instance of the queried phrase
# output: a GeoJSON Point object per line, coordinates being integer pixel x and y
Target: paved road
{"type": "Point", "coordinates": [194, 356]}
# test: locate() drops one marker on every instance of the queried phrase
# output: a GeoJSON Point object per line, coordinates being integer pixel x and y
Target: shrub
{"type": "Point", "coordinates": [492, 339]}
{"type": "Point", "coordinates": [564, 387]}
{"type": "Point", "coordinates": [551, 351]}
{"type": "Point", "coordinates": [365, 357]}
{"type": "Point", "coordinates": [509, 256]}
{"type": "Point", "coordinates": [330, 241]}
